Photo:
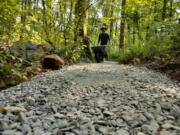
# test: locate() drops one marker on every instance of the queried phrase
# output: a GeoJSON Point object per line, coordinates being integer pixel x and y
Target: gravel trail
{"type": "Point", "coordinates": [107, 99]}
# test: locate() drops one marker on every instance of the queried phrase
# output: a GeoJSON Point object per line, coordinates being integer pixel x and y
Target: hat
{"type": "Point", "coordinates": [103, 27]}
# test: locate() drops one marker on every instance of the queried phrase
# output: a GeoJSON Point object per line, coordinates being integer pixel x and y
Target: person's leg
{"type": "Point", "coordinates": [105, 53]}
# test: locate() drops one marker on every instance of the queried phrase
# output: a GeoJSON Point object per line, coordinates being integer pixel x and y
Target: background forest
{"type": "Point", "coordinates": [144, 29]}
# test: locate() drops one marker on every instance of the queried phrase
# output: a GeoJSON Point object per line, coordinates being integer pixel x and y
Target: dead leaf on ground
{"type": "Point", "coordinates": [85, 69]}
{"type": "Point", "coordinates": [136, 61]}
{"type": "Point", "coordinates": [125, 73]}
{"type": "Point", "coordinates": [24, 78]}
{"type": "Point", "coordinates": [12, 109]}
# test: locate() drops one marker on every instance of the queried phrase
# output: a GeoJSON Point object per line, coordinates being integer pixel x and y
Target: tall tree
{"type": "Point", "coordinates": [81, 24]}
{"type": "Point", "coordinates": [112, 18]}
{"type": "Point", "coordinates": [122, 25]}
{"type": "Point", "coordinates": [164, 10]}
{"type": "Point", "coordinates": [171, 8]}
{"type": "Point", "coordinates": [45, 23]}
{"type": "Point", "coordinates": [24, 4]}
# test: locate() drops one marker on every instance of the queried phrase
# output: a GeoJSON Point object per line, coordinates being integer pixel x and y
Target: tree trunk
{"type": "Point", "coordinates": [80, 15]}
{"type": "Point", "coordinates": [155, 10]}
{"type": "Point", "coordinates": [45, 23]}
{"type": "Point", "coordinates": [34, 6]}
{"type": "Point", "coordinates": [171, 8]}
{"type": "Point", "coordinates": [134, 35]}
{"type": "Point", "coordinates": [71, 11]}
{"type": "Point", "coordinates": [81, 24]}
{"type": "Point", "coordinates": [23, 17]}
{"type": "Point", "coordinates": [112, 20]}
{"type": "Point", "coordinates": [116, 28]}
{"type": "Point", "coordinates": [129, 32]}
{"type": "Point", "coordinates": [122, 25]}
{"type": "Point", "coordinates": [164, 10]}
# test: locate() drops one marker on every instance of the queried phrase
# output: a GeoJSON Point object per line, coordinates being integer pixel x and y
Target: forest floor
{"type": "Point", "coordinates": [171, 70]}
{"type": "Point", "coordinates": [94, 99]}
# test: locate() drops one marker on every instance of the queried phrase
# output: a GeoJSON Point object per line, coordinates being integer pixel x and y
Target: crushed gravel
{"type": "Point", "coordinates": [105, 99]}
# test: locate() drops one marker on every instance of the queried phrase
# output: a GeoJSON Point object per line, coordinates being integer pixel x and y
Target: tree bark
{"type": "Point", "coordinates": [23, 17]}
{"type": "Point", "coordinates": [111, 23]}
{"type": "Point", "coordinates": [164, 10]}
{"type": "Point", "coordinates": [45, 23]}
{"type": "Point", "coordinates": [122, 25]}
{"type": "Point", "coordinates": [134, 35]}
{"type": "Point", "coordinates": [116, 27]}
{"type": "Point", "coordinates": [171, 8]}
{"type": "Point", "coordinates": [71, 11]}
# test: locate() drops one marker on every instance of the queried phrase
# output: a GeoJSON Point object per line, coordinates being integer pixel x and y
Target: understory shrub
{"type": "Point", "coordinates": [143, 51]}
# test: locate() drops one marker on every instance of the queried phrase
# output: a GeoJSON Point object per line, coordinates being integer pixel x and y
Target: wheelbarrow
{"type": "Point", "coordinates": [100, 52]}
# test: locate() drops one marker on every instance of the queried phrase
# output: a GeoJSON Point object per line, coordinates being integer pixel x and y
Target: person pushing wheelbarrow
{"type": "Point", "coordinates": [101, 51]}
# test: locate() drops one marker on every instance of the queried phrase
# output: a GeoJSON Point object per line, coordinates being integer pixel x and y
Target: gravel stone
{"type": "Point", "coordinates": [8, 132]}
{"type": "Point", "coordinates": [140, 133]}
{"type": "Point", "coordinates": [122, 132]}
{"type": "Point", "coordinates": [103, 130]}
{"type": "Point", "coordinates": [22, 118]}
{"type": "Point", "coordinates": [3, 125]}
{"type": "Point", "coordinates": [26, 129]}
{"type": "Point", "coordinates": [60, 116]}
{"type": "Point", "coordinates": [170, 126]}
{"type": "Point", "coordinates": [164, 132]}
{"type": "Point", "coordinates": [107, 113]}
{"type": "Point", "coordinates": [18, 133]}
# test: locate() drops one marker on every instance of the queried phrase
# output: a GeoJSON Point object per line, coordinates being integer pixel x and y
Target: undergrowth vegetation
{"type": "Point", "coordinates": [15, 69]}
{"type": "Point", "coordinates": [164, 47]}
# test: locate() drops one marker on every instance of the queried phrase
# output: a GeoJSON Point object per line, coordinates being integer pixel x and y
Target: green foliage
{"type": "Point", "coordinates": [8, 15]}
{"type": "Point", "coordinates": [71, 52]}
{"type": "Point", "coordinates": [113, 53]}
{"type": "Point", "coordinates": [13, 69]}
{"type": "Point", "coordinates": [8, 70]}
